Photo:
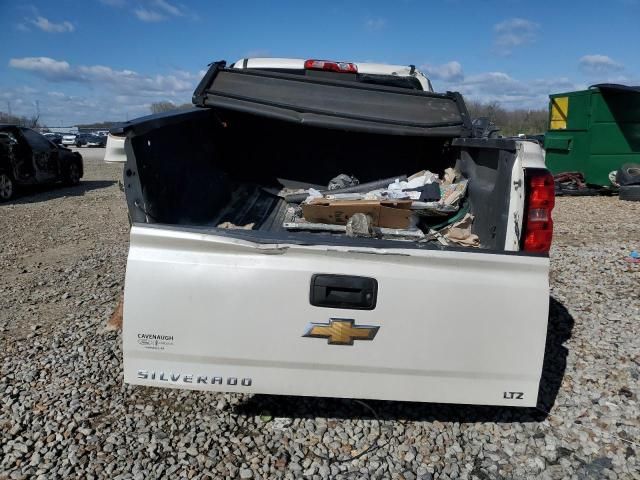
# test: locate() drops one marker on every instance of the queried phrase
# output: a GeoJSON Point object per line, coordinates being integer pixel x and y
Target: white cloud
{"type": "Point", "coordinates": [599, 64]}
{"type": "Point", "coordinates": [158, 10]}
{"type": "Point", "coordinates": [168, 8]}
{"type": "Point", "coordinates": [498, 86]}
{"type": "Point", "coordinates": [112, 93]}
{"type": "Point", "coordinates": [448, 72]}
{"type": "Point", "coordinates": [374, 24]}
{"type": "Point", "coordinates": [46, 25]}
{"type": "Point", "coordinates": [119, 81]}
{"type": "Point", "coordinates": [44, 66]}
{"type": "Point", "coordinates": [148, 15]}
{"type": "Point", "coordinates": [513, 33]}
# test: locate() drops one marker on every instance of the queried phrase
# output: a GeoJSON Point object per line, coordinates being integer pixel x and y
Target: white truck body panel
{"type": "Point", "coordinates": [208, 312]}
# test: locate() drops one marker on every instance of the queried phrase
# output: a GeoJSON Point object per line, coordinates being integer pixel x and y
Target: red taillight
{"type": "Point", "coordinates": [538, 226]}
{"type": "Point", "coordinates": [329, 66]}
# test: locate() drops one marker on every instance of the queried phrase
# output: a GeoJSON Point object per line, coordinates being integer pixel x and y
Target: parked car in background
{"type": "Point", "coordinates": [53, 137]}
{"type": "Point", "coordinates": [81, 139]}
{"type": "Point", "coordinates": [29, 158]}
{"type": "Point", "coordinates": [69, 139]}
{"type": "Point", "coordinates": [95, 141]}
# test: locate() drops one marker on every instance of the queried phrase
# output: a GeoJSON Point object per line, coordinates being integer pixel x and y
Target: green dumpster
{"type": "Point", "coordinates": [593, 131]}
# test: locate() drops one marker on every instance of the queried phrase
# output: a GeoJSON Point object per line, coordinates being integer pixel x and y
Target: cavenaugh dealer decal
{"type": "Point", "coordinates": [153, 341]}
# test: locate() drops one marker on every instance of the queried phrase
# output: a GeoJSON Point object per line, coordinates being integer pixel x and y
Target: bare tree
{"type": "Point", "coordinates": [159, 107]}
{"type": "Point", "coordinates": [23, 121]}
{"type": "Point", "coordinates": [511, 122]}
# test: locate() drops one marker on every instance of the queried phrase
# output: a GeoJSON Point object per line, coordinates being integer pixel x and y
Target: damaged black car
{"type": "Point", "coordinates": [29, 158]}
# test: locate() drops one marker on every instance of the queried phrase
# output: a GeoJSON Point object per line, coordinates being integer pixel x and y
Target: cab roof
{"type": "Point", "coordinates": [363, 67]}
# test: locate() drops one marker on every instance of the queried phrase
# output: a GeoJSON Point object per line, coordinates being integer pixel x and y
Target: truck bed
{"type": "Point", "coordinates": [197, 169]}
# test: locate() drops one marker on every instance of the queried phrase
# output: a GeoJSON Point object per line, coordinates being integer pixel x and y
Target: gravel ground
{"type": "Point", "coordinates": [65, 413]}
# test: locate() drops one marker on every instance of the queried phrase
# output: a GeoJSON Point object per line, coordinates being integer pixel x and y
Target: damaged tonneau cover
{"type": "Point", "coordinates": [330, 103]}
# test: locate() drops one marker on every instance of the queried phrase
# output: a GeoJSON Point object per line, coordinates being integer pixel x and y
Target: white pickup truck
{"type": "Point", "coordinates": [274, 311]}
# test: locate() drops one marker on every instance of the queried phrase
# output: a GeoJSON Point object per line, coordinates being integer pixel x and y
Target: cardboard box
{"type": "Point", "coordinates": [385, 213]}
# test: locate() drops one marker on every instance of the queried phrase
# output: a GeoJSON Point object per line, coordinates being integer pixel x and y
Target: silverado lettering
{"type": "Point", "coordinates": [188, 378]}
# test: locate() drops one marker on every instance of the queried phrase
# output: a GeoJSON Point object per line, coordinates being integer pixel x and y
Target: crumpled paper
{"type": "Point", "coordinates": [420, 179]}
{"type": "Point", "coordinates": [450, 175]}
{"type": "Point", "coordinates": [233, 226]}
{"type": "Point", "coordinates": [460, 232]}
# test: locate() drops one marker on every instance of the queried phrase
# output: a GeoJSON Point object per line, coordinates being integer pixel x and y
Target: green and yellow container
{"type": "Point", "coordinates": [593, 131]}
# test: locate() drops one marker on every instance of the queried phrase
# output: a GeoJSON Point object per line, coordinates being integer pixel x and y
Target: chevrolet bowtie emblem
{"type": "Point", "coordinates": [340, 331]}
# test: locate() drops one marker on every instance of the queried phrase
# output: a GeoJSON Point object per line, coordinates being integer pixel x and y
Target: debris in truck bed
{"type": "Point", "coordinates": [450, 176]}
{"type": "Point", "coordinates": [460, 232]}
{"type": "Point", "coordinates": [384, 213]}
{"type": "Point", "coordinates": [402, 203]}
{"type": "Point", "coordinates": [407, 189]}
{"type": "Point", "coordinates": [428, 193]}
{"type": "Point", "coordinates": [451, 195]}
{"type": "Point", "coordinates": [291, 187]}
{"type": "Point", "coordinates": [293, 221]}
{"type": "Point", "coordinates": [361, 188]}
{"type": "Point", "coordinates": [342, 181]}
{"type": "Point", "coordinates": [454, 192]}
{"type": "Point", "coordinates": [360, 225]}
{"type": "Point", "coordinates": [233, 226]}
{"type": "Point", "coordinates": [433, 209]}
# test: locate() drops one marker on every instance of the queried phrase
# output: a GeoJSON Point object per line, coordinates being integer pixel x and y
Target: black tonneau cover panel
{"type": "Point", "coordinates": [333, 103]}
{"type": "Point", "coordinates": [615, 87]}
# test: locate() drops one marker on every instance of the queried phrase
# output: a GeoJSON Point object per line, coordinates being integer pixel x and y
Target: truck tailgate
{"type": "Point", "coordinates": [209, 312]}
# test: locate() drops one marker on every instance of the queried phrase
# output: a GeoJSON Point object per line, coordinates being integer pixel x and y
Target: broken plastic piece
{"type": "Point", "coordinates": [313, 194]}
{"type": "Point", "coordinates": [343, 181]}
{"type": "Point", "coordinates": [360, 225]}
{"type": "Point", "coordinates": [362, 188]}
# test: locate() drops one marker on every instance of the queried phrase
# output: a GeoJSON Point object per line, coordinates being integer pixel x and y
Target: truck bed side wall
{"type": "Point", "coordinates": [489, 191]}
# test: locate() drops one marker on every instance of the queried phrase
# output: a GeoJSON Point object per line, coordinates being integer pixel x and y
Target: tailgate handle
{"type": "Point", "coordinates": [343, 291]}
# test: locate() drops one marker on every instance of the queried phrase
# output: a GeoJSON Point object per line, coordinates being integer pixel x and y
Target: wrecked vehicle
{"type": "Point", "coordinates": [29, 158]}
{"type": "Point", "coordinates": [225, 291]}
